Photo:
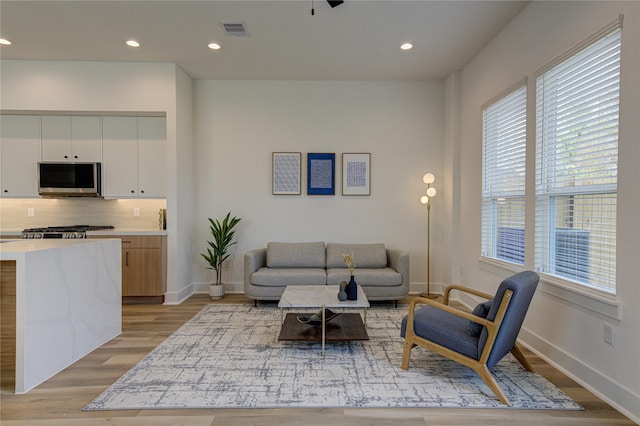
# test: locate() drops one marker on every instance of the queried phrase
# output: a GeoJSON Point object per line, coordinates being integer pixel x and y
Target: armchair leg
{"type": "Point", "coordinates": [521, 358]}
{"type": "Point", "coordinates": [406, 354]}
{"type": "Point", "coordinates": [488, 378]}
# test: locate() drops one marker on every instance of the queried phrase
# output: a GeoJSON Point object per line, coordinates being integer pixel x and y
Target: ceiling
{"type": "Point", "coordinates": [357, 40]}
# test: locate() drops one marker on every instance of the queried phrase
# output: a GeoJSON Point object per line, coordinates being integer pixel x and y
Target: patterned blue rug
{"type": "Point", "coordinates": [229, 356]}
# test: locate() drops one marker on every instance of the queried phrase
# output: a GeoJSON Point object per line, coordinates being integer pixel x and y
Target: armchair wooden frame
{"type": "Point", "coordinates": [479, 366]}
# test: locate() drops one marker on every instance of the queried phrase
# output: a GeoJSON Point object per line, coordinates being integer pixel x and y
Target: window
{"type": "Point", "coordinates": [503, 177]}
{"type": "Point", "coordinates": [577, 108]}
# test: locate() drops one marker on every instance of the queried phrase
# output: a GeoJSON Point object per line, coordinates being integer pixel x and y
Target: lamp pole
{"type": "Point", "coordinates": [428, 179]}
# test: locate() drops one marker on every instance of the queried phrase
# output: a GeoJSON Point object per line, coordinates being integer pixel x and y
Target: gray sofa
{"type": "Point", "coordinates": [383, 273]}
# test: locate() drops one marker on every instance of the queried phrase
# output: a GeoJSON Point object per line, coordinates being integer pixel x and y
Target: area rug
{"type": "Point", "coordinates": [229, 356]}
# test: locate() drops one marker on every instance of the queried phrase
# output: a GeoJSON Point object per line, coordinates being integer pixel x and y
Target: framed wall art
{"type": "Point", "coordinates": [286, 173]}
{"type": "Point", "coordinates": [321, 174]}
{"type": "Point", "coordinates": [356, 173]}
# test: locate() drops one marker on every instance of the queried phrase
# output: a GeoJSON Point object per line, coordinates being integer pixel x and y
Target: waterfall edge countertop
{"type": "Point", "coordinates": [68, 301]}
{"type": "Point", "coordinates": [17, 233]}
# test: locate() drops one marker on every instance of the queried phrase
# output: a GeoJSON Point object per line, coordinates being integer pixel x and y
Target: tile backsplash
{"type": "Point", "coordinates": [14, 213]}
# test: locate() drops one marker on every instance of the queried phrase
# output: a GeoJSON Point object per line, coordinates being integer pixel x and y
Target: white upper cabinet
{"type": "Point", "coordinates": [120, 157]}
{"type": "Point", "coordinates": [134, 157]}
{"type": "Point", "coordinates": [19, 155]}
{"type": "Point", "coordinates": [72, 138]}
{"type": "Point", "coordinates": [152, 157]}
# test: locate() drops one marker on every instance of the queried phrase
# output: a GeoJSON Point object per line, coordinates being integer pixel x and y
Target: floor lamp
{"type": "Point", "coordinates": [428, 179]}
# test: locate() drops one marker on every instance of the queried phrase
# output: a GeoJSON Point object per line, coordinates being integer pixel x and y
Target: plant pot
{"type": "Point", "coordinates": [216, 291]}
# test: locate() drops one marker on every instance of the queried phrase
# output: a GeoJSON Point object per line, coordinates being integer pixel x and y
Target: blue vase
{"type": "Point", "coordinates": [352, 289]}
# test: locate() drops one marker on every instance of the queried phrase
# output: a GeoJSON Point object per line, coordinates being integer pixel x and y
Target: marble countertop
{"type": "Point", "coordinates": [9, 249]}
{"type": "Point", "coordinates": [122, 231]}
{"type": "Point", "coordinates": [117, 231]}
{"type": "Point", "coordinates": [316, 296]}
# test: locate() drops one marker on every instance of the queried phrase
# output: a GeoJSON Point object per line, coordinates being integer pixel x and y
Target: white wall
{"type": "Point", "coordinates": [239, 124]}
{"type": "Point", "coordinates": [182, 191]}
{"type": "Point", "coordinates": [109, 87]}
{"type": "Point", "coordinates": [564, 332]}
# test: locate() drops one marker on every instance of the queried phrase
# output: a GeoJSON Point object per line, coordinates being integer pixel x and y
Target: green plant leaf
{"type": "Point", "coordinates": [218, 250]}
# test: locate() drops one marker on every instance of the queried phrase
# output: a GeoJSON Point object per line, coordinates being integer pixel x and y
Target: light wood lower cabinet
{"type": "Point", "coordinates": [144, 266]}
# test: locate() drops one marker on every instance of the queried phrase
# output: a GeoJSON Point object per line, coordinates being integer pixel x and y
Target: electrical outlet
{"type": "Point", "coordinates": [31, 212]}
{"type": "Point", "coordinates": [608, 334]}
{"type": "Point", "coordinates": [136, 211]}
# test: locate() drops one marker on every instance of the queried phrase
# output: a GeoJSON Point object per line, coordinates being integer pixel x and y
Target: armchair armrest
{"type": "Point", "coordinates": [464, 290]}
{"type": "Point", "coordinates": [439, 305]}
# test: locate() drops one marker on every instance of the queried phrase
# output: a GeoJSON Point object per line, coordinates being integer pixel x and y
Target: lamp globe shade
{"type": "Point", "coordinates": [428, 178]}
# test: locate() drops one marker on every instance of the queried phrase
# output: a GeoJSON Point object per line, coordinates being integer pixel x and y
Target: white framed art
{"type": "Point", "coordinates": [356, 173]}
{"type": "Point", "coordinates": [286, 178]}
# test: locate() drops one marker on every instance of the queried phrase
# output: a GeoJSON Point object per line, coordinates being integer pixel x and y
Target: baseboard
{"type": "Point", "coordinates": [231, 288]}
{"type": "Point", "coordinates": [176, 298]}
{"type": "Point", "coordinates": [614, 394]}
{"type": "Point", "coordinates": [417, 288]}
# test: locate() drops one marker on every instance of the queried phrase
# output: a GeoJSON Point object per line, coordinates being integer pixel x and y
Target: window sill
{"type": "Point", "coordinates": [600, 303]}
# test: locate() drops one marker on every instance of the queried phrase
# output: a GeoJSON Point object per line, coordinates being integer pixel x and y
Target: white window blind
{"type": "Point", "coordinates": [577, 106]}
{"type": "Point", "coordinates": [503, 177]}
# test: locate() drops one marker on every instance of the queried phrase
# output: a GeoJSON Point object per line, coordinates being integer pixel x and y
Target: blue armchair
{"type": "Point", "coordinates": [455, 334]}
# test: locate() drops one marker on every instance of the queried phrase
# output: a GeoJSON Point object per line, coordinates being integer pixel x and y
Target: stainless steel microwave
{"type": "Point", "coordinates": [69, 179]}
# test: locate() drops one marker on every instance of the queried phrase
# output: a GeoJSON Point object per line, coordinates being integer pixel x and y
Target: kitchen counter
{"type": "Point", "coordinates": [122, 231]}
{"type": "Point", "coordinates": [61, 299]}
{"type": "Point", "coordinates": [17, 233]}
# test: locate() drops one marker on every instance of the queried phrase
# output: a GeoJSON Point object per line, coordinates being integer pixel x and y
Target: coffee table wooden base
{"type": "Point", "coordinates": [344, 327]}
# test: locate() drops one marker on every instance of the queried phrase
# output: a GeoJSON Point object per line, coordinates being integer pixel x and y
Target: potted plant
{"type": "Point", "coordinates": [218, 250]}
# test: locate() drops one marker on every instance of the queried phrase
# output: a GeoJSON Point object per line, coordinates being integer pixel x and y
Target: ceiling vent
{"type": "Point", "coordinates": [235, 29]}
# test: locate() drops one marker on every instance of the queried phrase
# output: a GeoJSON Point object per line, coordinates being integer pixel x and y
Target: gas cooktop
{"type": "Point", "coordinates": [70, 231]}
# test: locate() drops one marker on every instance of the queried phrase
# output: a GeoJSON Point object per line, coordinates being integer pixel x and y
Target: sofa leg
{"type": "Point", "coordinates": [255, 303]}
{"type": "Point", "coordinates": [396, 303]}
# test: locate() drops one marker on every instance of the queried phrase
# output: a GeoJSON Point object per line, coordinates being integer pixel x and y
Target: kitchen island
{"type": "Point", "coordinates": [61, 299]}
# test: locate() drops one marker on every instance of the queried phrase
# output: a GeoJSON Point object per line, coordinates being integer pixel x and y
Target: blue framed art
{"type": "Point", "coordinates": [321, 173]}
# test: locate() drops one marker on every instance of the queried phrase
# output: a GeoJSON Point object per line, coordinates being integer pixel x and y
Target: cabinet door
{"type": "Point", "coordinates": [19, 155]}
{"type": "Point", "coordinates": [152, 158]}
{"type": "Point", "coordinates": [86, 139]}
{"type": "Point", "coordinates": [56, 138]}
{"type": "Point", "coordinates": [72, 139]}
{"type": "Point", "coordinates": [120, 157]}
{"type": "Point", "coordinates": [141, 272]}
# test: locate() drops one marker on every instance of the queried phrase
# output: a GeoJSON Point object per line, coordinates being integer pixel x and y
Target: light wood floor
{"type": "Point", "coordinates": [59, 400]}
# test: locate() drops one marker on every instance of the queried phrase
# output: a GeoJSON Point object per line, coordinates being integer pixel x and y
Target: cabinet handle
{"type": "Point", "coordinates": [66, 156]}
{"type": "Point", "coordinates": [75, 156]}
{"type": "Point", "coordinates": [6, 190]}
{"type": "Point", "coordinates": [132, 191]}
{"type": "Point", "coordinates": [126, 259]}
{"type": "Point", "coordinates": [142, 192]}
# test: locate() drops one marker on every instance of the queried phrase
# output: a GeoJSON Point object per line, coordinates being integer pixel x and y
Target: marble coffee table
{"type": "Point", "coordinates": [347, 326]}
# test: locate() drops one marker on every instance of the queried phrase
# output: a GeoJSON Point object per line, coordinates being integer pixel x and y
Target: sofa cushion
{"type": "Point", "coordinates": [364, 255]}
{"type": "Point", "coordinates": [296, 255]}
{"type": "Point", "coordinates": [269, 277]}
{"type": "Point", "coordinates": [376, 277]}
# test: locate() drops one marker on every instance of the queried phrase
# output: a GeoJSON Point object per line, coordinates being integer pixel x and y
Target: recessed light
{"type": "Point", "coordinates": [214, 46]}
{"type": "Point", "coordinates": [133, 43]}
{"type": "Point", "coordinates": [5, 41]}
{"type": "Point", "coordinates": [406, 46]}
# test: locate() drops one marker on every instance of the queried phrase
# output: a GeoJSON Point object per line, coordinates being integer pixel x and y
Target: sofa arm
{"type": "Point", "coordinates": [398, 260]}
{"type": "Point", "coordinates": [253, 260]}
